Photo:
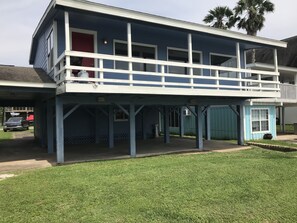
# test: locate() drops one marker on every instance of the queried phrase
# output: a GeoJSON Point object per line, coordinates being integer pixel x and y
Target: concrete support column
{"type": "Point", "coordinates": [132, 130]}
{"type": "Point", "coordinates": [198, 125]}
{"type": "Point", "coordinates": [207, 124]}
{"type": "Point", "coordinates": [166, 124]}
{"type": "Point", "coordinates": [110, 127]}
{"type": "Point", "coordinates": [283, 119]}
{"type": "Point", "coordinates": [97, 126]}
{"type": "Point", "coordinates": [240, 125]}
{"type": "Point", "coordinates": [60, 130]}
{"type": "Point", "coordinates": [50, 127]}
{"type": "Point", "coordinates": [181, 122]}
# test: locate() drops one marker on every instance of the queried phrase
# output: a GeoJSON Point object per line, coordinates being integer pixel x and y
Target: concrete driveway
{"type": "Point", "coordinates": [23, 153]}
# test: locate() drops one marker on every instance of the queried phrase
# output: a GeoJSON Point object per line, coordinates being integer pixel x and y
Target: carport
{"type": "Point", "coordinates": [27, 87]}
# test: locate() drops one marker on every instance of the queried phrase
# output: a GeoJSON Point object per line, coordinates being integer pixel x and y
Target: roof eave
{"type": "Point", "coordinates": [145, 17]}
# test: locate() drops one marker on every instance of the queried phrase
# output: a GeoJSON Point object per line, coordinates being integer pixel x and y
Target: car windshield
{"type": "Point", "coordinates": [15, 119]}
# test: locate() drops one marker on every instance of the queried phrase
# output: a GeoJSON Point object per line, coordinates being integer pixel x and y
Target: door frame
{"type": "Point", "coordinates": [91, 32]}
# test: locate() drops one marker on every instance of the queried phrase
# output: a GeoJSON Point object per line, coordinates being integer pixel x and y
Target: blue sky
{"type": "Point", "coordinates": [18, 20]}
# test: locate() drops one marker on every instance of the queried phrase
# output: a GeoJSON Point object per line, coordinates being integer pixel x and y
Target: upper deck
{"type": "Point", "coordinates": [137, 53]}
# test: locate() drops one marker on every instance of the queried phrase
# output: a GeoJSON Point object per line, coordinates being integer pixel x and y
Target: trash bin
{"type": "Point", "coordinates": [295, 128]}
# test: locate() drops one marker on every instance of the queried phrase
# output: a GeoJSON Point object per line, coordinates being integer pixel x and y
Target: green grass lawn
{"type": "Point", "coordinates": [5, 135]}
{"type": "Point", "coordinates": [249, 186]}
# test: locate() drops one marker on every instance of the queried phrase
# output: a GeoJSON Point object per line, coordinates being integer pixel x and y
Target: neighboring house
{"type": "Point", "coordinates": [116, 70]}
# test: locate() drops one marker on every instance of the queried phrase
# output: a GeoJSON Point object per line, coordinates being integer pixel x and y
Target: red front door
{"type": "Point", "coordinates": [84, 43]}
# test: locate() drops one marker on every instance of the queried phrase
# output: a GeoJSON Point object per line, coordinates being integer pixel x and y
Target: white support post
{"type": "Point", "coordinates": [132, 130]}
{"type": "Point", "coordinates": [59, 130]}
{"type": "Point", "coordinates": [67, 42]}
{"type": "Point", "coordinates": [190, 55]}
{"type": "Point", "coordinates": [129, 43]}
{"type": "Point", "coordinates": [217, 80]}
{"type": "Point", "coordinates": [275, 78]}
{"type": "Point", "coordinates": [238, 63]}
{"type": "Point", "coordinates": [101, 72]}
{"type": "Point", "coordinates": [163, 75]}
{"type": "Point", "coordinates": [260, 83]}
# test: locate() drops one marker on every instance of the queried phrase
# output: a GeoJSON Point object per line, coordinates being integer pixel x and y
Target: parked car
{"type": "Point", "coordinates": [16, 123]}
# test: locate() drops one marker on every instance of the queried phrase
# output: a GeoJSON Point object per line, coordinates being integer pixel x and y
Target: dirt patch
{"type": "Point", "coordinates": [5, 176]}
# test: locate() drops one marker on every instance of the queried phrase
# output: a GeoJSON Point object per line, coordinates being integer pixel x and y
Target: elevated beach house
{"type": "Point", "coordinates": [117, 70]}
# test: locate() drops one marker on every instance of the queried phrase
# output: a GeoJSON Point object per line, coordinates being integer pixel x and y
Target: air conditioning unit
{"type": "Point", "coordinates": [187, 112]}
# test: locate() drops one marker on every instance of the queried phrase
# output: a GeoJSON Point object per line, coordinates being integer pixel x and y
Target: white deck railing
{"type": "Point", "coordinates": [211, 77]}
{"type": "Point", "coordinates": [288, 91]}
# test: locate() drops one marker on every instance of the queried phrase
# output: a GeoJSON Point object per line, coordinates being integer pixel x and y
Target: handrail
{"type": "Point", "coordinates": [241, 81]}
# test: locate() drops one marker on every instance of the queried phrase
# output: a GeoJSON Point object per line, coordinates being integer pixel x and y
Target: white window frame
{"type": "Point", "coordinates": [222, 55]}
{"type": "Point", "coordinates": [184, 50]}
{"type": "Point", "coordinates": [136, 44]}
{"type": "Point", "coordinates": [251, 121]}
{"type": "Point", "coordinates": [50, 67]}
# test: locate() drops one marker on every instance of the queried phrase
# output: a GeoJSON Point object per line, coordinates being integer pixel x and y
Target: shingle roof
{"type": "Point", "coordinates": [24, 74]}
{"type": "Point", "coordinates": [286, 56]}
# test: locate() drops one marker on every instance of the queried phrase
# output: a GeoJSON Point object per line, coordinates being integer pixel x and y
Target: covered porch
{"type": "Point", "coordinates": [138, 135]}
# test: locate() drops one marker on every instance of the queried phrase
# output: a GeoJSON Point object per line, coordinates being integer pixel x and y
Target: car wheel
{"type": "Point", "coordinates": [4, 130]}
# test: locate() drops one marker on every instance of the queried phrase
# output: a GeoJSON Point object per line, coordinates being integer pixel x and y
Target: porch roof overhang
{"type": "Point", "coordinates": [269, 67]}
{"type": "Point", "coordinates": [92, 7]}
{"type": "Point", "coordinates": [24, 85]}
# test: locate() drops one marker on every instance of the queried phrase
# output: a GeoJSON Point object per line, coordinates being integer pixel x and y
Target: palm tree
{"type": "Point", "coordinates": [220, 17]}
{"type": "Point", "coordinates": [250, 14]}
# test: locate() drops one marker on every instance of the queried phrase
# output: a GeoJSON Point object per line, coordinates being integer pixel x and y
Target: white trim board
{"type": "Point", "coordinates": [27, 84]}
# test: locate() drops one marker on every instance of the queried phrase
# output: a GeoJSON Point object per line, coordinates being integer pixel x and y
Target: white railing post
{"type": "Point", "coordinates": [238, 64]}
{"type": "Point", "coordinates": [163, 76]}
{"type": "Point", "coordinates": [129, 44]}
{"type": "Point", "coordinates": [67, 43]}
{"type": "Point", "coordinates": [101, 71]}
{"type": "Point", "coordinates": [260, 83]}
{"type": "Point", "coordinates": [276, 78]}
{"type": "Point", "coordinates": [217, 80]}
{"type": "Point", "coordinates": [190, 55]}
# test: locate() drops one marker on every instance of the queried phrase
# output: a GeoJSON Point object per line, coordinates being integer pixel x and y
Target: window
{"type": "Point", "coordinates": [173, 119]}
{"type": "Point", "coordinates": [50, 47]}
{"type": "Point", "coordinates": [178, 55]}
{"type": "Point", "coordinates": [120, 116]}
{"type": "Point", "coordinates": [138, 51]}
{"type": "Point", "coordinates": [260, 120]}
{"type": "Point", "coordinates": [224, 61]}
